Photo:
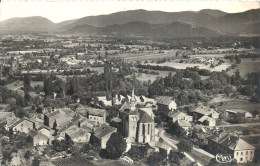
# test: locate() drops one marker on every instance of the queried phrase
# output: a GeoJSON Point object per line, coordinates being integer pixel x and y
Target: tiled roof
{"type": "Point", "coordinates": [164, 100]}
{"type": "Point", "coordinates": [103, 130]}
{"type": "Point", "coordinates": [243, 145]}
{"type": "Point", "coordinates": [33, 133]}
{"type": "Point", "coordinates": [203, 110]}
{"type": "Point", "coordinates": [45, 127]}
{"type": "Point", "coordinates": [184, 123]}
{"type": "Point", "coordinates": [54, 113]}
{"type": "Point", "coordinates": [97, 112]}
{"type": "Point", "coordinates": [149, 111]}
{"type": "Point", "coordinates": [145, 118]}
{"type": "Point", "coordinates": [125, 106]}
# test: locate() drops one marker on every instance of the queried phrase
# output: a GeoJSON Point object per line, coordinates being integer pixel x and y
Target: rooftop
{"type": "Point", "coordinates": [103, 130]}
{"type": "Point", "coordinates": [164, 100]}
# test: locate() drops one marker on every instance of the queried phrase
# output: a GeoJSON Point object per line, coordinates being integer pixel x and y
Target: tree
{"type": "Point", "coordinates": [137, 152]}
{"type": "Point", "coordinates": [157, 158]}
{"type": "Point", "coordinates": [90, 149]}
{"type": "Point", "coordinates": [35, 162]}
{"type": "Point", "coordinates": [174, 158]}
{"type": "Point", "coordinates": [245, 132]}
{"type": "Point", "coordinates": [116, 146]}
{"type": "Point", "coordinates": [27, 154]}
{"type": "Point", "coordinates": [176, 129]}
{"type": "Point", "coordinates": [26, 83]}
{"type": "Point", "coordinates": [184, 146]}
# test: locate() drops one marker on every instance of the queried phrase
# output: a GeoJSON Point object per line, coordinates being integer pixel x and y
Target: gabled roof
{"type": "Point", "coordinates": [97, 112]}
{"type": "Point", "coordinates": [164, 100]}
{"type": "Point", "coordinates": [145, 118]}
{"type": "Point", "coordinates": [237, 111]}
{"type": "Point", "coordinates": [54, 113]}
{"type": "Point", "coordinates": [149, 111]}
{"type": "Point", "coordinates": [103, 130]}
{"type": "Point", "coordinates": [252, 140]}
{"type": "Point", "coordinates": [184, 123]}
{"type": "Point", "coordinates": [33, 133]}
{"type": "Point", "coordinates": [125, 106]}
{"type": "Point", "coordinates": [243, 145]}
{"type": "Point", "coordinates": [44, 127]}
{"type": "Point", "coordinates": [203, 110]}
{"type": "Point", "coordinates": [176, 114]}
{"type": "Point", "coordinates": [21, 120]}
{"type": "Point", "coordinates": [205, 118]}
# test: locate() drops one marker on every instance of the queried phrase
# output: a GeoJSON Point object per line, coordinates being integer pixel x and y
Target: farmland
{"type": "Point", "coordinates": [177, 65]}
{"type": "Point", "coordinates": [241, 104]}
{"type": "Point", "coordinates": [248, 66]}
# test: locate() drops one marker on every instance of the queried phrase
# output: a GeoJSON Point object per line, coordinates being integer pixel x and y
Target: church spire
{"type": "Point", "coordinates": [133, 101]}
{"type": "Point", "coordinates": [133, 92]}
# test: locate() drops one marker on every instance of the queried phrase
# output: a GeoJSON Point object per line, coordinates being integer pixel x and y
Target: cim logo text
{"type": "Point", "coordinates": [224, 158]}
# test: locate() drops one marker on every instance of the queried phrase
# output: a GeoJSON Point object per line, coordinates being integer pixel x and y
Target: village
{"type": "Point", "coordinates": [66, 100]}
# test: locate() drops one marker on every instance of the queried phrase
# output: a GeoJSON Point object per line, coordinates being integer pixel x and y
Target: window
{"type": "Point", "coordinates": [251, 152]}
{"type": "Point", "coordinates": [237, 153]}
{"type": "Point", "coordinates": [21, 125]}
{"type": "Point", "coordinates": [241, 153]}
{"type": "Point", "coordinates": [29, 128]}
{"type": "Point", "coordinates": [148, 129]}
{"type": "Point", "coordinates": [241, 159]}
{"type": "Point", "coordinates": [246, 152]}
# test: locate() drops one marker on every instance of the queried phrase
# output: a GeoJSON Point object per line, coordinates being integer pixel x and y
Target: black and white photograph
{"type": "Point", "coordinates": [129, 82]}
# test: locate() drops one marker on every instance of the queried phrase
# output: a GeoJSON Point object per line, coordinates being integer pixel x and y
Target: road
{"type": "Point", "coordinates": [241, 124]}
{"type": "Point", "coordinates": [173, 143]}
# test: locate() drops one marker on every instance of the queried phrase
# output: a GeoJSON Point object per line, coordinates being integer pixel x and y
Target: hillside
{"type": "Point", "coordinates": [172, 30]}
{"type": "Point", "coordinates": [152, 23]}
{"type": "Point", "coordinates": [33, 24]}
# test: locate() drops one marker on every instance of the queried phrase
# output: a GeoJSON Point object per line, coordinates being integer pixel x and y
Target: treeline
{"type": "Point", "coordinates": [202, 72]}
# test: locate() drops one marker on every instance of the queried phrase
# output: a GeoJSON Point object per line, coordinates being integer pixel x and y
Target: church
{"type": "Point", "coordinates": [137, 124]}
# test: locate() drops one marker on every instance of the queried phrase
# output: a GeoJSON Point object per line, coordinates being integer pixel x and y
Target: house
{"type": "Point", "coordinates": [97, 115]}
{"type": "Point", "coordinates": [178, 115]}
{"type": "Point", "coordinates": [255, 142]}
{"type": "Point", "coordinates": [45, 130]}
{"type": "Point", "coordinates": [186, 125]}
{"type": "Point", "coordinates": [24, 125]}
{"type": "Point", "coordinates": [58, 118]}
{"type": "Point", "coordinates": [78, 129]}
{"type": "Point", "coordinates": [102, 134]}
{"type": "Point", "coordinates": [245, 113]}
{"type": "Point", "coordinates": [163, 146]}
{"type": "Point", "coordinates": [205, 115]}
{"type": "Point", "coordinates": [38, 138]}
{"type": "Point", "coordinates": [226, 143]}
{"type": "Point", "coordinates": [166, 104]}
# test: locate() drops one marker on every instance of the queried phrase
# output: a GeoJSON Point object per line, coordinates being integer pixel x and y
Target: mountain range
{"type": "Point", "coordinates": [204, 23]}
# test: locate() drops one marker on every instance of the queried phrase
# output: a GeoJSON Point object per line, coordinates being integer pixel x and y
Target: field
{"type": "Point", "coordinates": [240, 104]}
{"type": "Point", "coordinates": [152, 77]}
{"type": "Point", "coordinates": [147, 55]}
{"type": "Point", "coordinates": [177, 65]}
{"type": "Point", "coordinates": [248, 66]}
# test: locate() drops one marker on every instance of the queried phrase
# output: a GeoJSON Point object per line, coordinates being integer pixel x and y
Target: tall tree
{"type": "Point", "coordinates": [26, 82]}
{"type": "Point", "coordinates": [184, 146]}
{"type": "Point", "coordinates": [116, 145]}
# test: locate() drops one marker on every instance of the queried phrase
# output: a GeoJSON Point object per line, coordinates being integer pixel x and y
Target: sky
{"type": "Point", "coordinates": [60, 10]}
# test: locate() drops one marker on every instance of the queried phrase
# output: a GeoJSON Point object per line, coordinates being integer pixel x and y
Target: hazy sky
{"type": "Point", "coordinates": [61, 10]}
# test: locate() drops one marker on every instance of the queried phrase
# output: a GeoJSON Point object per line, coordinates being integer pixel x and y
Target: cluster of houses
{"type": "Point", "coordinates": [135, 121]}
